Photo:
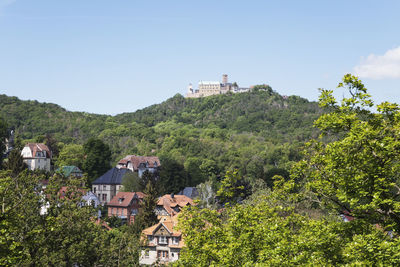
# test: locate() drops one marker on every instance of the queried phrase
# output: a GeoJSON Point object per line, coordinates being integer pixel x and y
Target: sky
{"type": "Point", "coordinates": [117, 56]}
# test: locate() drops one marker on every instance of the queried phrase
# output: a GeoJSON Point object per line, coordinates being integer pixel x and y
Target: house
{"type": "Point", "coordinates": [109, 184]}
{"type": "Point", "coordinates": [68, 171]}
{"type": "Point", "coordinates": [125, 205]}
{"type": "Point", "coordinates": [37, 156]}
{"type": "Point", "coordinates": [163, 242]}
{"type": "Point", "coordinates": [170, 205]}
{"type": "Point", "coordinates": [140, 164]}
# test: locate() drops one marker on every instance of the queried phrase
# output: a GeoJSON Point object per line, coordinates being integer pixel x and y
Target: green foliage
{"type": "Point", "coordinates": [268, 231]}
{"type": "Point", "coordinates": [15, 162]}
{"type": "Point", "coordinates": [147, 216]}
{"type": "Point", "coordinates": [132, 183]}
{"type": "Point", "coordinates": [66, 235]}
{"type": "Point", "coordinates": [97, 158]}
{"type": "Point", "coordinates": [3, 136]}
{"type": "Point", "coordinates": [233, 189]}
{"type": "Point", "coordinates": [252, 131]}
{"type": "Point", "coordinates": [71, 155]}
{"type": "Point", "coordinates": [357, 172]}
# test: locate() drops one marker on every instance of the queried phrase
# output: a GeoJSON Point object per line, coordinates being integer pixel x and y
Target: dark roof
{"type": "Point", "coordinates": [189, 192]}
{"type": "Point", "coordinates": [113, 176]}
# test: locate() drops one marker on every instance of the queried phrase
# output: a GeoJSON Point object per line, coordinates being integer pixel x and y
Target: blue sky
{"type": "Point", "coordinates": [116, 56]}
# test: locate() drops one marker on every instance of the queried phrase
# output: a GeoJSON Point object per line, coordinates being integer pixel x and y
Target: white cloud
{"type": "Point", "coordinates": [380, 67]}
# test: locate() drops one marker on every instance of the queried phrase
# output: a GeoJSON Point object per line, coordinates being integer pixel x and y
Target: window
{"type": "Point", "coordinates": [104, 187]}
{"type": "Point", "coordinates": [150, 238]}
{"type": "Point", "coordinates": [94, 189]}
{"type": "Point", "coordinates": [175, 240]}
{"type": "Point", "coordinates": [104, 197]}
{"type": "Point", "coordinates": [146, 254]}
{"type": "Point", "coordinates": [162, 240]}
{"type": "Point", "coordinates": [112, 211]}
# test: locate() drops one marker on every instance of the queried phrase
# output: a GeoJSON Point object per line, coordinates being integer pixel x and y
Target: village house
{"type": "Point", "coordinates": [163, 242]}
{"type": "Point", "coordinates": [170, 205]}
{"type": "Point", "coordinates": [125, 205]}
{"type": "Point", "coordinates": [109, 184]}
{"type": "Point", "coordinates": [140, 164]}
{"type": "Point", "coordinates": [36, 156]}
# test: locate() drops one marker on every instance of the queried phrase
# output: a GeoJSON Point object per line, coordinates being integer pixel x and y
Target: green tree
{"type": "Point", "coordinates": [15, 162]}
{"type": "Point", "coordinates": [173, 176]}
{"type": "Point", "coordinates": [233, 189]}
{"type": "Point", "coordinates": [147, 215]}
{"type": "Point", "coordinates": [97, 158]}
{"type": "Point", "coordinates": [357, 171]}
{"type": "Point", "coordinates": [71, 154]}
{"type": "Point", "coordinates": [131, 182]}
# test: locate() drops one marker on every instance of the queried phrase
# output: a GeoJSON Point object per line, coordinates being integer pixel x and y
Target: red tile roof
{"type": "Point", "coordinates": [137, 160]}
{"type": "Point", "coordinates": [168, 202]}
{"type": "Point", "coordinates": [124, 199]}
{"type": "Point", "coordinates": [35, 147]}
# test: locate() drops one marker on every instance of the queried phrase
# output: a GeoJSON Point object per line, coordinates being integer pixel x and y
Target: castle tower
{"type": "Point", "coordinates": [224, 78]}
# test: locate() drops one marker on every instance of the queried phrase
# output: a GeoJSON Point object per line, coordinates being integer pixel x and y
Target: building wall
{"type": "Point", "coordinates": [149, 255]}
{"type": "Point", "coordinates": [105, 189]}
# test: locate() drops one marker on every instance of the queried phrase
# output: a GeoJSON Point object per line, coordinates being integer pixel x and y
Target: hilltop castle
{"type": "Point", "coordinates": [207, 88]}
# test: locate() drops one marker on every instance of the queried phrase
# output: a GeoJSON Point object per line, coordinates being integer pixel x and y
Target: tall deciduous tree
{"type": "Point", "coordinates": [358, 171]}
{"type": "Point", "coordinates": [71, 154]}
{"type": "Point", "coordinates": [97, 158]}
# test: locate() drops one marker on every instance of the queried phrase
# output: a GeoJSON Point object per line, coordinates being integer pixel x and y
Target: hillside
{"type": "Point", "coordinates": [254, 131]}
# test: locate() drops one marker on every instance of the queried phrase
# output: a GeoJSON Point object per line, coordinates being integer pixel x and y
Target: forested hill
{"type": "Point", "coordinates": [261, 111]}
{"type": "Point", "coordinates": [252, 131]}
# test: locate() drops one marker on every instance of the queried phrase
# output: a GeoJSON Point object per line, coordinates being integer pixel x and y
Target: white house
{"type": "Point", "coordinates": [37, 156]}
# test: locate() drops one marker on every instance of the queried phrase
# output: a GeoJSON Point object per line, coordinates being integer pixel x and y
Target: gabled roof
{"type": "Point", "coordinates": [124, 199]}
{"type": "Point", "coordinates": [170, 224]}
{"type": "Point", "coordinates": [38, 147]}
{"type": "Point", "coordinates": [112, 176]}
{"type": "Point", "coordinates": [137, 160]}
{"type": "Point", "coordinates": [67, 170]}
{"type": "Point", "coordinates": [168, 202]}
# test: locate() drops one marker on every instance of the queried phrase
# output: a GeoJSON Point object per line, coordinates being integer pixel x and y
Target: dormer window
{"type": "Point", "coordinates": [155, 163]}
{"type": "Point", "coordinates": [121, 199]}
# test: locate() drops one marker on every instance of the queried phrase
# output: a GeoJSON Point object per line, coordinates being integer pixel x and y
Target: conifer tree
{"type": "Point", "coordinates": [15, 162]}
{"type": "Point", "coordinates": [147, 214]}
